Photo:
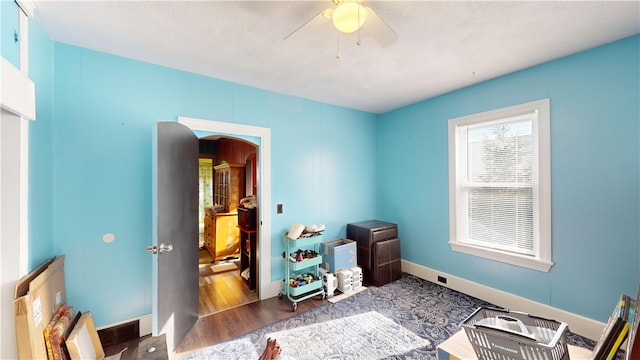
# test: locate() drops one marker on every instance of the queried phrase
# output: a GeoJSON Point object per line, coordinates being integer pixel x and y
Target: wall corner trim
{"type": "Point", "coordinates": [27, 7]}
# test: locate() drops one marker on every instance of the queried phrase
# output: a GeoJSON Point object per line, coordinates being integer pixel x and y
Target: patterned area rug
{"type": "Point", "coordinates": [362, 336]}
{"type": "Point", "coordinates": [405, 319]}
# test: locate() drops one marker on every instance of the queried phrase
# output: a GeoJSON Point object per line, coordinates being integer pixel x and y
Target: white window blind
{"type": "Point", "coordinates": [498, 187]}
{"type": "Point", "coordinates": [495, 184]}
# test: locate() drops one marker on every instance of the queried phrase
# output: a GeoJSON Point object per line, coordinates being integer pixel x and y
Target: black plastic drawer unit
{"type": "Point", "coordinates": [366, 234]}
{"type": "Point", "coordinates": [386, 265]}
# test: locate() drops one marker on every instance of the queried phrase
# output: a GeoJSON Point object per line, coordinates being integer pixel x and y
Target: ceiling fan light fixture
{"type": "Point", "coordinates": [349, 16]}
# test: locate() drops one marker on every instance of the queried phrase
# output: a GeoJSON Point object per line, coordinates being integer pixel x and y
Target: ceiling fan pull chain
{"type": "Point", "coordinates": [337, 45]}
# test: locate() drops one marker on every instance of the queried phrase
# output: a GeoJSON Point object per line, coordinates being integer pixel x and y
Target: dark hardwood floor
{"type": "Point", "coordinates": [227, 309]}
{"type": "Point", "coordinates": [221, 286]}
{"type": "Point", "coordinates": [223, 290]}
{"type": "Point", "coordinates": [226, 325]}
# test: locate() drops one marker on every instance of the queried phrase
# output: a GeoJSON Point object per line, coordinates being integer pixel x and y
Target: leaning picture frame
{"type": "Point", "coordinates": [83, 341]}
{"type": "Point", "coordinates": [633, 343]}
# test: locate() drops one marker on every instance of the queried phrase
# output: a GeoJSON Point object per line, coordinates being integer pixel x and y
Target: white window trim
{"type": "Point", "coordinates": [542, 260]}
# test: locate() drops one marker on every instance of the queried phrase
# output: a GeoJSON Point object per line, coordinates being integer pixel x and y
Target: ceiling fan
{"type": "Point", "coordinates": [350, 16]}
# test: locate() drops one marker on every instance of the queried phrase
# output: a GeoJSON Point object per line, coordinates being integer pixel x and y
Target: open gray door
{"type": "Point", "coordinates": [175, 231]}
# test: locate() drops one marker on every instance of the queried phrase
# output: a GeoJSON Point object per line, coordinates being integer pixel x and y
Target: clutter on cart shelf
{"type": "Point", "coordinates": [298, 230]}
{"type": "Point", "coordinates": [302, 279]}
{"type": "Point", "coordinates": [301, 255]}
{"type": "Point", "coordinates": [314, 228]}
{"type": "Point", "coordinates": [249, 202]}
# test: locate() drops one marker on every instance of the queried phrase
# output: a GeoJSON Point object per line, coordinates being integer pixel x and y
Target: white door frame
{"type": "Point", "coordinates": [267, 289]}
{"type": "Point", "coordinates": [17, 102]}
{"type": "Point", "coordinates": [18, 107]}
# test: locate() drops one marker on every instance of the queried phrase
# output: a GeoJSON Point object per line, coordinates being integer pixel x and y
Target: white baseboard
{"type": "Point", "coordinates": [144, 323]}
{"type": "Point", "coordinates": [271, 290]}
{"type": "Point", "coordinates": [578, 324]}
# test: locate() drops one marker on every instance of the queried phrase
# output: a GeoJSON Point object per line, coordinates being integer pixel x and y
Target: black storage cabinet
{"type": "Point", "coordinates": [247, 218]}
{"type": "Point", "coordinates": [378, 250]}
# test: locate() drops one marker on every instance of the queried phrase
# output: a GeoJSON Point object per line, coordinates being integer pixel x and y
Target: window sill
{"type": "Point", "coordinates": [509, 258]}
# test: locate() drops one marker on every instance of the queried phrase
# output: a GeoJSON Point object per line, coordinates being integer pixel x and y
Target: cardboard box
{"type": "Point", "coordinates": [338, 254]}
{"type": "Point", "coordinates": [38, 296]}
{"type": "Point", "coordinates": [458, 347]}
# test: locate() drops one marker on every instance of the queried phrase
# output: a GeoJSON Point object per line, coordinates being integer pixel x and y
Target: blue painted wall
{"type": "Point", "coordinates": [9, 25]}
{"type": "Point", "coordinates": [595, 158]}
{"type": "Point", "coordinates": [323, 170]}
{"type": "Point", "coordinates": [40, 147]}
{"type": "Point", "coordinates": [90, 149]}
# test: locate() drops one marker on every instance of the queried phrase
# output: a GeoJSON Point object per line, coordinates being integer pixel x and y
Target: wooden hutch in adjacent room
{"type": "Point", "coordinates": [221, 220]}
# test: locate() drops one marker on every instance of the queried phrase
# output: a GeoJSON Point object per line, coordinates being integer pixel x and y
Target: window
{"type": "Point", "coordinates": [499, 185]}
{"type": "Point", "coordinates": [205, 176]}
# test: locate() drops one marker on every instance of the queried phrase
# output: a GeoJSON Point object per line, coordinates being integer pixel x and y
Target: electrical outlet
{"type": "Point", "coordinates": [279, 208]}
{"type": "Point", "coordinates": [442, 279]}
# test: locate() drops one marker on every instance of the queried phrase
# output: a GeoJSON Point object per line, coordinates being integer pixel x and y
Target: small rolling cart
{"type": "Point", "coordinates": [302, 278]}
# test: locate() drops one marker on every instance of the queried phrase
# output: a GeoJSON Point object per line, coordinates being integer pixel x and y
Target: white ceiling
{"type": "Point", "coordinates": [441, 45]}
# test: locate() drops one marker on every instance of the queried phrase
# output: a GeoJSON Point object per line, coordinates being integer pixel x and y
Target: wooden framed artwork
{"type": "Point", "coordinates": [83, 341]}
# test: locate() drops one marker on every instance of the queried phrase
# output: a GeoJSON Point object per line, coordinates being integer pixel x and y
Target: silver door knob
{"type": "Point", "coordinates": [162, 248]}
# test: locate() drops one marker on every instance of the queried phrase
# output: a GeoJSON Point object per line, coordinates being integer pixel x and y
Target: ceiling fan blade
{"type": "Point", "coordinates": [377, 28]}
{"type": "Point", "coordinates": [314, 21]}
